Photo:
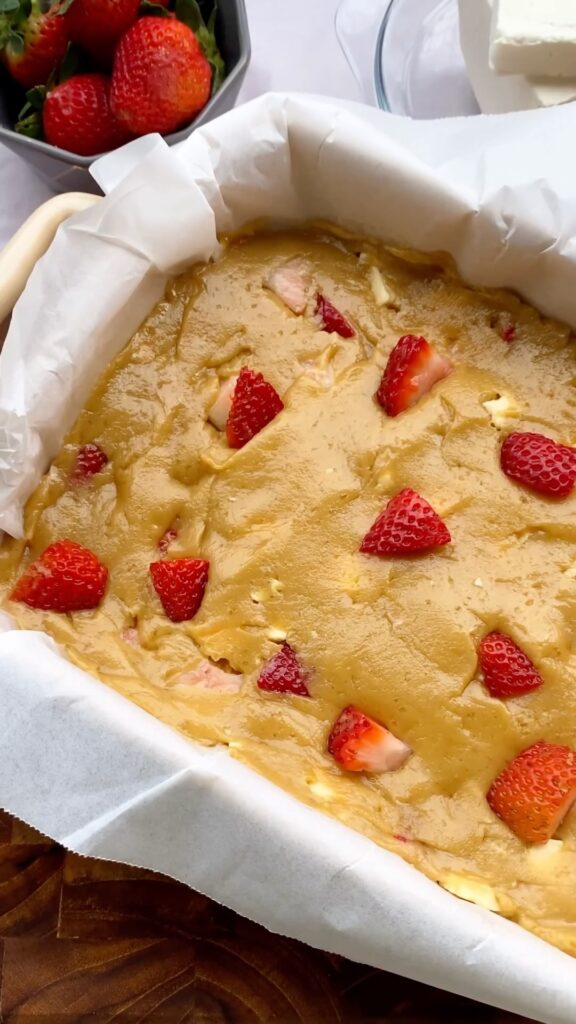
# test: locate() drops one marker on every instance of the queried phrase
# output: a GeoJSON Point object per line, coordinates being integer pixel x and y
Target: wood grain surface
{"type": "Point", "coordinates": [101, 943]}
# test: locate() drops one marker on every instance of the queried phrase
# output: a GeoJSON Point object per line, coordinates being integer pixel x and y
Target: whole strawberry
{"type": "Point", "coordinates": [77, 116]}
{"type": "Point", "coordinates": [161, 78]}
{"type": "Point", "coordinates": [36, 44]}
{"type": "Point", "coordinates": [97, 25]}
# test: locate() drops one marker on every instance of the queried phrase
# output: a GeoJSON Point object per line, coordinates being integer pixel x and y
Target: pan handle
{"type": "Point", "coordinates": [19, 256]}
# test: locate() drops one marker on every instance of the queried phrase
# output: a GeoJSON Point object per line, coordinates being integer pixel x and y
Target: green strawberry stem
{"type": "Point", "coordinates": [29, 121]}
{"type": "Point", "coordinates": [150, 9]}
{"type": "Point", "coordinates": [189, 12]}
{"type": "Point", "coordinates": [31, 125]}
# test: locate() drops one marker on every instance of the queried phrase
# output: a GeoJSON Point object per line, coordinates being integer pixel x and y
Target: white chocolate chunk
{"type": "Point", "coordinates": [275, 633]}
{"type": "Point", "coordinates": [471, 889]}
{"type": "Point", "coordinates": [501, 410]}
{"type": "Point", "coordinates": [545, 857]}
{"type": "Point", "coordinates": [220, 410]}
{"type": "Point", "coordinates": [321, 790]}
{"type": "Point", "coordinates": [534, 37]}
{"type": "Point", "coordinates": [382, 294]}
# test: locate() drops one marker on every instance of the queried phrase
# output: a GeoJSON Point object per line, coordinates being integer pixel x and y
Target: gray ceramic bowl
{"type": "Point", "coordinates": [67, 172]}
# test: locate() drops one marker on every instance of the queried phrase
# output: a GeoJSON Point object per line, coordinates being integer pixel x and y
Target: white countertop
{"type": "Point", "coordinates": [294, 46]}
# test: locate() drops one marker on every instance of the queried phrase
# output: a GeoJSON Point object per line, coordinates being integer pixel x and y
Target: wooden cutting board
{"type": "Point", "coordinates": [90, 941]}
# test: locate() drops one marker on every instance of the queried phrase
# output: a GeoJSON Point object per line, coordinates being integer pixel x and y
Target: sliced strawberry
{"type": "Point", "coordinates": [413, 367]}
{"type": "Point", "coordinates": [65, 578]}
{"type": "Point", "coordinates": [211, 677]}
{"type": "Point", "coordinates": [539, 463]}
{"type": "Point", "coordinates": [504, 325]}
{"type": "Point", "coordinates": [169, 536]}
{"type": "Point", "coordinates": [331, 320]}
{"type": "Point", "coordinates": [360, 744]}
{"type": "Point", "coordinates": [284, 673]}
{"type": "Point", "coordinates": [508, 672]}
{"type": "Point", "coordinates": [89, 461]}
{"type": "Point", "coordinates": [291, 283]}
{"type": "Point", "coordinates": [254, 404]}
{"type": "Point", "coordinates": [535, 791]}
{"type": "Point", "coordinates": [180, 584]}
{"type": "Point", "coordinates": [407, 526]}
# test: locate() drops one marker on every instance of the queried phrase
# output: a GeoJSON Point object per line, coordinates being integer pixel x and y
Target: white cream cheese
{"type": "Point", "coordinates": [496, 93]}
{"type": "Point", "coordinates": [534, 37]}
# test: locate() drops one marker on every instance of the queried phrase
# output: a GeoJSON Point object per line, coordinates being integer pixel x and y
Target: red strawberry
{"type": "Point", "coordinates": [508, 672]}
{"type": "Point", "coordinates": [407, 526]}
{"type": "Point", "coordinates": [65, 578]}
{"type": "Point", "coordinates": [535, 791]}
{"type": "Point", "coordinates": [539, 463]}
{"type": "Point", "coordinates": [77, 116]}
{"type": "Point", "coordinates": [97, 25]}
{"type": "Point", "coordinates": [180, 584]}
{"type": "Point", "coordinates": [43, 39]}
{"type": "Point", "coordinates": [331, 319]}
{"type": "Point", "coordinates": [360, 744]}
{"type": "Point", "coordinates": [161, 78]}
{"type": "Point", "coordinates": [283, 673]}
{"type": "Point", "coordinates": [413, 367]}
{"type": "Point", "coordinates": [254, 404]}
{"type": "Point", "coordinates": [89, 461]}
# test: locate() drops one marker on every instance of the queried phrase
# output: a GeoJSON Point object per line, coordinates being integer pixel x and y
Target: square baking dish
{"type": "Point", "coordinates": [134, 789]}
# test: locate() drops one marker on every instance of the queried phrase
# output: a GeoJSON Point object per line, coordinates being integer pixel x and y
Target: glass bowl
{"type": "Point", "coordinates": [406, 56]}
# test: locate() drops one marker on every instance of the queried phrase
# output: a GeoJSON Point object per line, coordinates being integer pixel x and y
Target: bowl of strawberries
{"type": "Point", "coordinates": [79, 78]}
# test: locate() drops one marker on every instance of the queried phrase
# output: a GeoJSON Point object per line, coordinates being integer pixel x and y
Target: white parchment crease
{"type": "Point", "coordinates": [83, 764]}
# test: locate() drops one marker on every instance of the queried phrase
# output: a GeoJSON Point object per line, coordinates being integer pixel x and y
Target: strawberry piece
{"type": "Point", "coordinates": [161, 78]}
{"type": "Point", "coordinates": [90, 460]}
{"type": "Point", "coordinates": [97, 25]}
{"type": "Point", "coordinates": [291, 283]}
{"type": "Point", "coordinates": [284, 673]}
{"type": "Point", "coordinates": [535, 791]}
{"type": "Point", "coordinates": [211, 677]}
{"type": "Point", "coordinates": [36, 44]}
{"type": "Point", "coordinates": [254, 404]}
{"type": "Point", "coordinates": [331, 320]}
{"type": "Point", "coordinates": [508, 672]}
{"type": "Point", "coordinates": [77, 116]}
{"type": "Point", "coordinates": [180, 584]}
{"type": "Point", "coordinates": [412, 369]}
{"type": "Point", "coordinates": [539, 463]}
{"type": "Point", "coordinates": [509, 332]}
{"type": "Point", "coordinates": [407, 526]}
{"type": "Point", "coordinates": [360, 744]}
{"type": "Point", "coordinates": [169, 536]}
{"type": "Point", "coordinates": [65, 578]}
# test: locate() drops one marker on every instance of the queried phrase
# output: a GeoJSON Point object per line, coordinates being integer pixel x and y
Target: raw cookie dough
{"type": "Point", "coordinates": [281, 521]}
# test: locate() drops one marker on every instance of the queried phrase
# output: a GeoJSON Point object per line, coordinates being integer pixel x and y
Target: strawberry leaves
{"type": "Point", "coordinates": [189, 12]}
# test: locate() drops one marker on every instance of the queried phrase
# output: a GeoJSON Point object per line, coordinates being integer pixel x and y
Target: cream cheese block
{"type": "Point", "coordinates": [534, 37]}
{"type": "Point", "coordinates": [495, 93]}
